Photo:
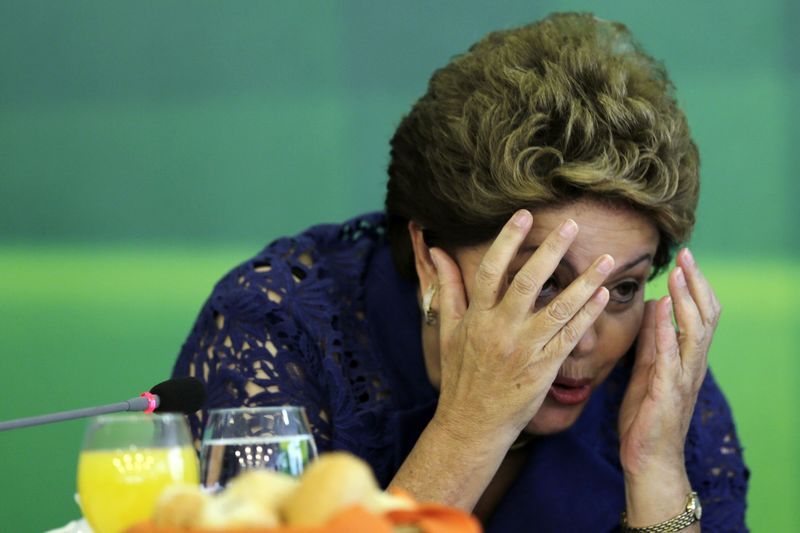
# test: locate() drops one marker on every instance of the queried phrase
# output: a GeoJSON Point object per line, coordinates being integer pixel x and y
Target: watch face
{"type": "Point", "coordinates": [695, 506]}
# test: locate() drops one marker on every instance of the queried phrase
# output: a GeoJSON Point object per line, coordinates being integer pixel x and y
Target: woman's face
{"type": "Point", "coordinates": [631, 239]}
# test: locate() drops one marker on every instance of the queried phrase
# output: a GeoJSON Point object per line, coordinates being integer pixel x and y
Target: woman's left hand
{"type": "Point", "coordinates": [667, 374]}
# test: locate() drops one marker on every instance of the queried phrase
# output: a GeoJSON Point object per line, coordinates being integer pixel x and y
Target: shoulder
{"type": "Point", "coordinates": [321, 258]}
{"type": "Point", "coordinates": [267, 331]}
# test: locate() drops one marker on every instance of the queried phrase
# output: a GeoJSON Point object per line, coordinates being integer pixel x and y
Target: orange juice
{"type": "Point", "coordinates": [119, 488]}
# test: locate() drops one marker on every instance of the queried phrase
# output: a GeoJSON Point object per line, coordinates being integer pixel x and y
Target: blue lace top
{"type": "Point", "coordinates": [323, 320]}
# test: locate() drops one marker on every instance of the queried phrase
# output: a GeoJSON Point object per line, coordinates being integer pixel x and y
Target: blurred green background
{"type": "Point", "coordinates": [146, 147]}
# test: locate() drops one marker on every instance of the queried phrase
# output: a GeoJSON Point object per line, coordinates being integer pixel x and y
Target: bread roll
{"type": "Point", "coordinates": [382, 502]}
{"type": "Point", "coordinates": [252, 499]}
{"type": "Point", "coordinates": [267, 488]}
{"type": "Point", "coordinates": [226, 512]}
{"type": "Point", "coordinates": [266, 499]}
{"type": "Point", "coordinates": [180, 506]}
{"type": "Point", "coordinates": [335, 481]}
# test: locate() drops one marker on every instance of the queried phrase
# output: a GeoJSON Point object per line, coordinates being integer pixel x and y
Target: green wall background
{"type": "Point", "coordinates": [146, 147]}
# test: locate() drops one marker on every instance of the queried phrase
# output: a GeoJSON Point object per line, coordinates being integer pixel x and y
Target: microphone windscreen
{"type": "Point", "coordinates": [180, 395]}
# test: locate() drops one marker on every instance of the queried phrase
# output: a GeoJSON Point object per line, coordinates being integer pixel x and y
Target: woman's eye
{"type": "Point", "coordinates": [624, 292]}
{"type": "Point", "coordinates": [549, 285]}
{"type": "Point", "coordinates": [549, 291]}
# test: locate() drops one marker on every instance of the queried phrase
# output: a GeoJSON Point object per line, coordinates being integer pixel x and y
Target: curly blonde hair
{"type": "Point", "coordinates": [538, 116]}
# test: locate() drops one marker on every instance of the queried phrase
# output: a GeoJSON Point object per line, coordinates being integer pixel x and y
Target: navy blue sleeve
{"type": "Point", "coordinates": [715, 462]}
{"type": "Point", "coordinates": [251, 343]}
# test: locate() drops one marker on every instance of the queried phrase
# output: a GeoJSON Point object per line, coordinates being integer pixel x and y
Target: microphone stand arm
{"type": "Point", "coordinates": [134, 404]}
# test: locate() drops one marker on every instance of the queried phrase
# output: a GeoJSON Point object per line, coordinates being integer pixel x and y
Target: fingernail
{"type": "Point", "coordinates": [520, 218]}
{"type": "Point", "coordinates": [689, 257]}
{"type": "Point", "coordinates": [433, 258]}
{"type": "Point", "coordinates": [606, 264]}
{"type": "Point", "coordinates": [601, 295]}
{"type": "Point", "coordinates": [568, 228]}
{"type": "Point", "coordinates": [679, 277]}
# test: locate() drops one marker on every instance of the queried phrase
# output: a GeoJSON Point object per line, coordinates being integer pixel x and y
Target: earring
{"type": "Point", "coordinates": [431, 316]}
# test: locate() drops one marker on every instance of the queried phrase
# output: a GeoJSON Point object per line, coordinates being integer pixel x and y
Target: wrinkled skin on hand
{"type": "Point", "coordinates": [498, 358]}
{"type": "Point", "coordinates": [668, 371]}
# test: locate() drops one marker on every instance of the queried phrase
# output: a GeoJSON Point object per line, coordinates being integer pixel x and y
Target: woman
{"type": "Point", "coordinates": [486, 343]}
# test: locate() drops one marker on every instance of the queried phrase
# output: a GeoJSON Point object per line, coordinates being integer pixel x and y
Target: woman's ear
{"type": "Point", "coordinates": [426, 270]}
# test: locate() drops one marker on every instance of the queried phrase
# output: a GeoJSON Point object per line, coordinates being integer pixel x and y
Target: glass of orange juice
{"type": "Point", "coordinates": [126, 461]}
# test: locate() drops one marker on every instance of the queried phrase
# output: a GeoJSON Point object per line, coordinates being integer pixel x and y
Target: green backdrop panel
{"type": "Point", "coordinates": [145, 147]}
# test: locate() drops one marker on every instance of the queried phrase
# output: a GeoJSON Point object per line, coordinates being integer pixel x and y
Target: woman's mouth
{"type": "Point", "coordinates": [568, 391]}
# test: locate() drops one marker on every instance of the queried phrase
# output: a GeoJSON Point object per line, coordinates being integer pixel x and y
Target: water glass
{"type": "Point", "coordinates": [238, 439]}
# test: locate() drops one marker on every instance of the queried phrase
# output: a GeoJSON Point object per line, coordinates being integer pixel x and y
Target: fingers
{"type": "Point", "coordinates": [704, 297]}
{"type": "Point", "coordinates": [527, 283]}
{"type": "Point", "coordinates": [646, 342]}
{"type": "Point", "coordinates": [491, 274]}
{"type": "Point", "coordinates": [666, 336]}
{"type": "Point", "coordinates": [568, 336]}
{"type": "Point", "coordinates": [690, 323]}
{"type": "Point", "coordinates": [644, 363]}
{"type": "Point", "coordinates": [694, 330]}
{"type": "Point", "coordinates": [547, 322]}
{"type": "Point", "coordinates": [452, 297]}
{"type": "Point", "coordinates": [667, 358]}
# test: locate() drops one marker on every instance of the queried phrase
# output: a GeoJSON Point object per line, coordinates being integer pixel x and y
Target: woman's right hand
{"type": "Point", "coordinates": [498, 356]}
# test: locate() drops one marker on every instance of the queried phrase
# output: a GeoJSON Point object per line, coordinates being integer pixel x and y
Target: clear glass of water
{"type": "Point", "coordinates": [238, 439]}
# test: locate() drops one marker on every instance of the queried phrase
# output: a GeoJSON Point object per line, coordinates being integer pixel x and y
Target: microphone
{"type": "Point", "coordinates": [179, 395]}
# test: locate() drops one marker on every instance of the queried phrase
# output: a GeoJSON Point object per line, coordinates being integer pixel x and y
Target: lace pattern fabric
{"type": "Point", "coordinates": [273, 333]}
{"type": "Point", "coordinates": [715, 462]}
{"type": "Point", "coordinates": [293, 325]}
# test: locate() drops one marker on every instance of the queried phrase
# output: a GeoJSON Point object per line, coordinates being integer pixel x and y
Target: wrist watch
{"type": "Point", "coordinates": [691, 514]}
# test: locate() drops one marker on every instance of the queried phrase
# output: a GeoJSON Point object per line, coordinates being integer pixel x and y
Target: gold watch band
{"type": "Point", "coordinates": [689, 516]}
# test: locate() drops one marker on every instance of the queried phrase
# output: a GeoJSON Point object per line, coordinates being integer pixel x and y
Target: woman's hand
{"type": "Point", "coordinates": [657, 408]}
{"type": "Point", "coordinates": [498, 357]}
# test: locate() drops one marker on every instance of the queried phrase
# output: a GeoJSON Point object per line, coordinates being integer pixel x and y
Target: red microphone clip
{"type": "Point", "coordinates": [152, 401]}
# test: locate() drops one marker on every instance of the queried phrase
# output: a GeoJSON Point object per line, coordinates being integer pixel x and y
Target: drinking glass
{"type": "Point", "coordinates": [126, 461]}
{"type": "Point", "coordinates": [276, 438]}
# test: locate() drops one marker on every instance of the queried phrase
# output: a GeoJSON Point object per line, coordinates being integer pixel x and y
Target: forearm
{"type": "Point", "coordinates": [451, 468]}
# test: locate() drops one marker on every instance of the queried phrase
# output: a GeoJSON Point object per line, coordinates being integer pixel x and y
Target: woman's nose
{"type": "Point", "coordinates": [586, 344]}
